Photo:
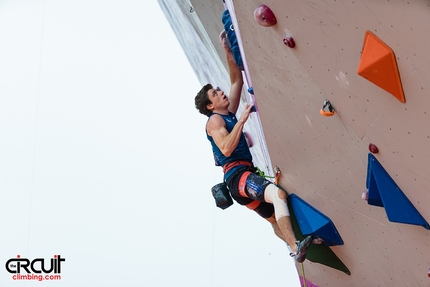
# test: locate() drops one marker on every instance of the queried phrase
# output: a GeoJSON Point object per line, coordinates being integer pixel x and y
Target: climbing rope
{"type": "Point", "coordinates": [303, 276]}
{"type": "Point", "coordinates": [262, 174]}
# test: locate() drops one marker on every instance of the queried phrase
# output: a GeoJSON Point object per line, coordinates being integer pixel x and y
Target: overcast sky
{"type": "Point", "coordinates": [104, 160]}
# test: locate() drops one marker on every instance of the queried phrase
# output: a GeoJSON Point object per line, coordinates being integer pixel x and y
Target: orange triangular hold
{"type": "Point", "coordinates": [378, 65]}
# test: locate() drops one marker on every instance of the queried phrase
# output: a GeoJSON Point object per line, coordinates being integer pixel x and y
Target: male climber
{"type": "Point", "coordinates": [231, 151]}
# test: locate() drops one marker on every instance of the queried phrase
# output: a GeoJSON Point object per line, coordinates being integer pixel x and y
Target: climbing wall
{"type": "Point", "coordinates": [324, 160]}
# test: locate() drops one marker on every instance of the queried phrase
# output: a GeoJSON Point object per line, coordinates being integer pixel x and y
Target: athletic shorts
{"type": "Point", "coordinates": [247, 188]}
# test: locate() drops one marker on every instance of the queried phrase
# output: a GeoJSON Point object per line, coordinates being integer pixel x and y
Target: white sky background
{"type": "Point", "coordinates": [104, 160]}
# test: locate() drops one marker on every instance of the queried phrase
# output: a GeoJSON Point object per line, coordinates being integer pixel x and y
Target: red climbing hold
{"type": "Point", "coordinates": [289, 41]}
{"type": "Point", "coordinates": [365, 195]}
{"type": "Point", "coordinates": [373, 148]}
{"type": "Point", "coordinates": [264, 16]}
{"type": "Point", "coordinates": [248, 140]}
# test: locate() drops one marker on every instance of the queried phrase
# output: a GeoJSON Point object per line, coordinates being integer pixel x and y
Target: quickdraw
{"type": "Point", "coordinates": [328, 105]}
{"type": "Point", "coordinates": [277, 175]}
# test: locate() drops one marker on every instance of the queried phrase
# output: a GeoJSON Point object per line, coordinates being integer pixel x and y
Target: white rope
{"type": "Point", "coordinates": [35, 129]}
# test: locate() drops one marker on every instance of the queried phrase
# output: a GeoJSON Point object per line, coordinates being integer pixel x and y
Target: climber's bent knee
{"type": "Point", "coordinates": [271, 194]}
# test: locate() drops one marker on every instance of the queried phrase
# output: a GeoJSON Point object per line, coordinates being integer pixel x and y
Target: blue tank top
{"type": "Point", "coordinates": [240, 153]}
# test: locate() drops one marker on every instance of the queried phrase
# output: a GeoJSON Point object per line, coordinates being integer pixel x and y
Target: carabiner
{"type": "Point", "coordinates": [328, 105]}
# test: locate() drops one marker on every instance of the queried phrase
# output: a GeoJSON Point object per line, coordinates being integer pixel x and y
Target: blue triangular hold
{"type": "Point", "coordinates": [313, 222]}
{"type": "Point", "coordinates": [373, 198]}
{"type": "Point", "coordinates": [383, 191]}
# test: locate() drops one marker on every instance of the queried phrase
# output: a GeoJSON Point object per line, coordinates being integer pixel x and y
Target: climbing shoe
{"type": "Point", "coordinates": [302, 248]}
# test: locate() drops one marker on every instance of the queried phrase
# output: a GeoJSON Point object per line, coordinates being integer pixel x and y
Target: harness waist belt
{"type": "Point", "coordinates": [230, 165]}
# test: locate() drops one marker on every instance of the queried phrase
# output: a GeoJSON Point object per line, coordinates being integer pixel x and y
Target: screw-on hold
{"type": "Point", "coordinates": [248, 140]}
{"type": "Point", "coordinates": [373, 148]}
{"type": "Point", "coordinates": [264, 16]}
{"type": "Point", "coordinates": [365, 195]}
{"type": "Point", "coordinates": [289, 41]}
